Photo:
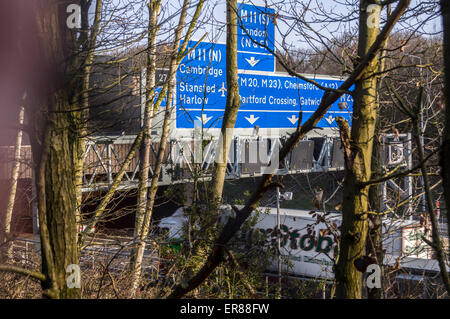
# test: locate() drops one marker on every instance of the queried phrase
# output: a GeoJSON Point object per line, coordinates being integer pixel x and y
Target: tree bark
{"type": "Point", "coordinates": [231, 109]}
{"type": "Point", "coordinates": [436, 238]}
{"type": "Point", "coordinates": [445, 152]}
{"type": "Point", "coordinates": [56, 198]}
{"type": "Point", "coordinates": [53, 142]}
{"type": "Point", "coordinates": [358, 158]}
{"type": "Point", "coordinates": [144, 223]}
{"type": "Point", "coordinates": [87, 43]}
{"type": "Point", "coordinates": [6, 231]}
{"type": "Point", "coordinates": [374, 242]}
{"type": "Point", "coordinates": [228, 123]}
{"type": "Point", "coordinates": [144, 153]}
{"type": "Point", "coordinates": [143, 231]}
{"type": "Point", "coordinates": [51, 84]}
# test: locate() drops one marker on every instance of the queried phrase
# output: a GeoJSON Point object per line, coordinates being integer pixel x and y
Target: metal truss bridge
{"type": "Point", "coordinates": [248, 157]}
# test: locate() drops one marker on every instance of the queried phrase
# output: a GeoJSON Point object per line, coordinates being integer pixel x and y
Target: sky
{"type": "Point", "coordinates": [213, 19]}
{"type": "Point", "coordinates": [336, 10]}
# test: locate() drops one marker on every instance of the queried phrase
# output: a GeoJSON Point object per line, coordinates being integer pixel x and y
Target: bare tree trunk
{"type": "Point", "coordinates": [144, 154]}
{"type": "Point", "coordinates": [436, 243]}
{"type": "Point", "coordinates": [445, 152]}
{"type": "Point", "coordinates": [226, 133]}
{"type": "Point", "coordinates": [52, 86]}
{"type": "Point", "coordinates": [358, 158]}
{"type": "Point", "coordinates": [231, 109]}
{"type": "Point", "coordinates": [176, 57]}
{"type": "Point", "coordinates": [215, 191]}
{"type": "Point", "coordinates": [6, 231]}
{"type": "Point", "coordinates": [52, 139]}
{"type": "Point", "coordinates": [374, 242]}
{"type": "Point", "coordinates": [101, 207]}
{"type": "Point", "coordinates": [56, 202]}
{"type": "Point", "coordinates": [87, 42]}
{"type": "Point", "coordinates": [145, 226]}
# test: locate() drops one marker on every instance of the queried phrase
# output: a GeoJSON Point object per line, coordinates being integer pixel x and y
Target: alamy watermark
{"type": "Point", "coordinates": [263, 150]}
{"type": "Point", "coordinates": [74, 279]}
{"type": "Point", "coordinates": [74, 19]}
{"type": "Point", "coordinates": [373, 18]}
{"type": "Point", "coordinates": [373, 280]}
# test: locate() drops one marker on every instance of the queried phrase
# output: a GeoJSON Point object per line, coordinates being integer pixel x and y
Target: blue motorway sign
{"type": "Point", "coordinates": [201, 82]}
{"type": "Point", "coordinates": [270, 100]}
{"type": "Point", "coordinates": [257, 26]}
{"type": "Point", "coordinates": [258, 22]}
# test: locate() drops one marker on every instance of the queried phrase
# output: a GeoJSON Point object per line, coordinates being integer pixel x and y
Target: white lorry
{"type": "Point", "coordinates": [308, 240]}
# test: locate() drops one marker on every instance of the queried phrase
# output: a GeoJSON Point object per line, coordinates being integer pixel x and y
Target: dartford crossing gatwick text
{"type": "Point", "coordinates": [228, 308]}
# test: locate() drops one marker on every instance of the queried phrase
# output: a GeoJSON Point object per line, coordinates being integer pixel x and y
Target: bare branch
{"type": "Point", "coordinates": [27, 272]}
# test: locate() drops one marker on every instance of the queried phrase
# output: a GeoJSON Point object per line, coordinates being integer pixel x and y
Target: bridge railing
{"type": "Point", "coordinates": [186, 158]}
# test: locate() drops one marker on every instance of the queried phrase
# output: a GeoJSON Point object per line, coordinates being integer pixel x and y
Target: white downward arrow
{"type": "Point", "coordinates": [252, 119]}
{"type": "Point", "coordinates": [293, 119]}
{"type": "Point", "coordinates": [330, 119]}
{"type": "Point", "coordinates": [204, 119]}
{"type": "Point", "coordinates": [252, 61]}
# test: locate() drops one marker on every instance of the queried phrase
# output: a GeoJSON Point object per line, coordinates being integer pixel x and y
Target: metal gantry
{"type": "Point", "coordinates": [249, 156]}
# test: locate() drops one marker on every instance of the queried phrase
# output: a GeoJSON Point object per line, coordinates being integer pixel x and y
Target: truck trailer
{"type": "Point", "coordinates": [309, 240]}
